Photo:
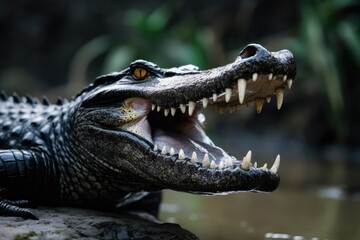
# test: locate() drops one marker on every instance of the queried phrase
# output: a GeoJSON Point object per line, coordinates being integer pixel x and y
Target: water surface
{"type": "Point", "coordinates": [319, 213]}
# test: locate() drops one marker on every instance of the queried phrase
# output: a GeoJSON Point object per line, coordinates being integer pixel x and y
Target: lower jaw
{"type": "Point", "coordinates": [201, 150]}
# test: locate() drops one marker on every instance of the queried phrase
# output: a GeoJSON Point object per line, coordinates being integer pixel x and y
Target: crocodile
{"type": "Point", "coordinates": [130, 134]}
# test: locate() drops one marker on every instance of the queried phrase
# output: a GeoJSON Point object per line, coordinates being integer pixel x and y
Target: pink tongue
{"type": "Point", "coordinates": [188, 145]}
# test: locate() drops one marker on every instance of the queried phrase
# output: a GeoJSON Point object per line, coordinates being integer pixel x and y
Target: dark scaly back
{"type": "Point", "coordinates": [21, 121]}
{"type": "Point", "coordinates": [25, 127]}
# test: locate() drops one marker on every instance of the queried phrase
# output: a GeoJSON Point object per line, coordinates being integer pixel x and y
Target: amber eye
{"type": "Point", "coordinates": [140, 73]}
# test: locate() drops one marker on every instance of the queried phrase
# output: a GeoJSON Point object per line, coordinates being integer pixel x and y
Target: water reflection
{"type": "Point", "coordinates": [284, 214]}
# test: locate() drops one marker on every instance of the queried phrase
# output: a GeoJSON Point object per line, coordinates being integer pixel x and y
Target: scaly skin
{"type": "Point", "coordinates": [133, 133]}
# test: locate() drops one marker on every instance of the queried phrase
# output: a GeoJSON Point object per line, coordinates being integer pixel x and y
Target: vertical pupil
{"type": "Point", "coordinates": [140, 73]}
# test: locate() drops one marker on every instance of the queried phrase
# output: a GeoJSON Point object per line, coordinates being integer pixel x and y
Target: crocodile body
{"type": "Point", "coordinates": [130, 134]}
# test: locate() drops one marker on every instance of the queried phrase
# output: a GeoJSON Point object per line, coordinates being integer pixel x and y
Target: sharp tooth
{"type": "Point", "coordinates": [158, 108]}
{"type": "Point", "coordinates": [205, 102]}
{"type": "Point", "coordinates": [215, 96]}
{"type": "Point", "coordinates": [275, 166]}
{"type": "Point", "coordinates": [191, 107]}
{"type": "Point", "coordinates": [173, 111]}
{"type": "Point", "coordinates": [229, 162]}
{"type": "Point", "coordinates": [279, 97]}
{"type": "Point", "coordinates": [264, 168]}
{"type": "Point", "coordinates": [183, 108]}
{"type": "Point", "coordinates": [284, 78]}
{"type": "Point", "coordinates": [166, 112]}
{"type": "Point", "coordinates": [206, 161]}
{"type": "Point", "coordinates": [212, 164]}
{"type": "Point", "coordinates": [255, 165]}
{"type": "Point", "coordinates": [153, 106]}
{"type": "Point", "coordinates": [228, 92]}
{"type": "Point", "coordinates": [221, 165]}
{"type": "Point", "coordinates": [241, 89]}
{"type": "Point", "coordinates": [181, 154]}
{"type": "Point", "coordinates": [163, 151]}
{"type": "Point", "coordinates": [270, 76]}
{"type": "Point", "coordinates": [289, 83]}
{"type": "Point", "coordinates": [268, 99]}
{"type": "Point", "coordinates": [172, 151]}
{"type": "Point", "coordinates": [246, 161]}
{"type": "Point", "coordinates": [194, 158]}
{"type": "Point", "coordinates": [156, 147]}
{"type": "Point", "coordinates": [259, 104]}
{"type": "Point", "coordinates": [254, 76]}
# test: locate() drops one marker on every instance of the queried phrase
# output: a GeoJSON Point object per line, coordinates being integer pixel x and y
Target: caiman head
{"type": "Point", "coordinates": [145, 122]}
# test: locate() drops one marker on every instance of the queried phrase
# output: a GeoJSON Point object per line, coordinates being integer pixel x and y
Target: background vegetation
{"type": "Point", "coordinates": [58, 47]}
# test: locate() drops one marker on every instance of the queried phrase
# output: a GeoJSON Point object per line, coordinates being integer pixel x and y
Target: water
{"type": "Point", "coordinates": [287, 213]}
{"type": "Point", "coordinates": [309, 204]}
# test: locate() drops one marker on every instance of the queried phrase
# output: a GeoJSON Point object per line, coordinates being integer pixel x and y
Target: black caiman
{"type": "Point", "coordinates": [130, 134]}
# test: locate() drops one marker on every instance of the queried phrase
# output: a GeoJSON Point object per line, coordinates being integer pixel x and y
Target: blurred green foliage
{"type": "Point", "coordinates": [328, 31]}
{"type": "Point", "coordinates": [145, 34]}
{"type": "Point", "coordinates": [151, 33]}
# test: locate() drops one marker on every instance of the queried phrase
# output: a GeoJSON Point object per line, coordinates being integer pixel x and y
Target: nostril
{"type": "Point", "coordinates": [248, 51]}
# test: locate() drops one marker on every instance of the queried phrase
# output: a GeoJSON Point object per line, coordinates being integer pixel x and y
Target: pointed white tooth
{"type": "Point", "coordinates": [241, 89]}
{"type": "Point", "coordinates": [264, 168]}
{"type": "Point", "coordinates": [270, 76]}
{"type": "Point", "coordinates": [156, 147]}
{"type": "Point", "coordinates": [191, 107]}
{"type": "Point", "coordinates": [229, 162]}
{"type": "Point", "coordinates": [215, 96]}
{"type": "Point", "coordinates": [163, 151]}
{"type": "Point", "coordinates": [228, 93]}
{"type": "Point", "coordinates": [166, 112]}
{"type": "Point", "coordinates": [205, 102]}
{"type": "Point", "coordinates": [259, 104]}
{"type": "Point", "coordinates": [183, 108]}
{"type": "Point", "coordinates": [153, 106]}
{"type": "Point", "coordinates": [289, 83]}
{"type": "Point", "coordinates": [221, 165]}
{"type": "Point", "coordinates": [158, 108]}
{"type": "Point", "coordinates": [194, 158]}
{"type": "Point", "coordinates": [254, 76]}
{"type": "Point", "coordinates": [248, 156]}
{"type": "Point", "coordinates": [181, 154]}
{"type": "Point", "coordinates": [246, 161]}
{"type": "Point", "coordinates": [275, 166]}
{"type": "Point", "coordinates": [172, 151]}
{"type": "Point", "coordinates": [173, 111]}
{"type": "Point", "coordinates": [279, 97]}
{"type": "Point", "coordinates": [206, 160]}
{"type": "Point", "coordinates": [284, 78]}
{"type": "Point", "coordinates": [212, 164]}
{"type": "Point", "coordinates": [268, 99]}
{"type": "Point", "coordinates": [255, 165]}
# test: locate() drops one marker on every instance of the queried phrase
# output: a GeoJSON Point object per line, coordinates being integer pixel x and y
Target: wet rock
{"type": "Point", "coordinates": [72, 223]}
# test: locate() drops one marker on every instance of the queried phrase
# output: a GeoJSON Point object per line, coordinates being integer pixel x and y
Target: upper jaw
{"type": "Point", "coordinates": [255, 74]}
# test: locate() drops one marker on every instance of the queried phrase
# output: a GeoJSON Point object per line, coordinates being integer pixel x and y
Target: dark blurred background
{"type": "Point", "coordinates": [58, 47]}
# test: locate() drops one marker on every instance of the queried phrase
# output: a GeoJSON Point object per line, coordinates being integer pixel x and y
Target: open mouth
{"type": "Point", "coordinates": [178, 131]}
{"type": "Point", "coordinates": [163, 108]}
